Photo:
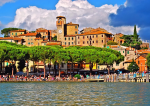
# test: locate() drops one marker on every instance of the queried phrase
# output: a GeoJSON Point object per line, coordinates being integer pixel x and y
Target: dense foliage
{"type": "Point", "coordinates": [112, 43]}
{"type": "Point", "coordinates": [132, 40]}
{"type": "Point", "coordinates": [57, 54]}
{"type": "Point", "coordinates": [148, 61]}
{"type": "Point", "coordinates": [133, 67]}
{"type": "Point", "coordinates": [77, 76]}
{"type": "Point", "coordinates": [6, 32]}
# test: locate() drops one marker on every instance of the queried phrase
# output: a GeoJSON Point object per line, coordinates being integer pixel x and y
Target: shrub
{"type": "Point", "coordinates": [77, 76]}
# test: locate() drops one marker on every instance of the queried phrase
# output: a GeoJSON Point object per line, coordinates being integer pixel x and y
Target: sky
{"type": "Point", "coordinates": [116, 16]}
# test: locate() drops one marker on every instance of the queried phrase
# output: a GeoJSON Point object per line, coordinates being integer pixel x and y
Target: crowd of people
{"type": "Point", "coordinates": [107, 77]}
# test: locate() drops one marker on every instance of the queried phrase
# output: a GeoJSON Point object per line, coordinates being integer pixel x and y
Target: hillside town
{"type": "Point", "coordinates": [67, 34]}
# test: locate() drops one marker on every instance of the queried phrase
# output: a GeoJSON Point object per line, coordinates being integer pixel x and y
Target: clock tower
{"type": "Point", "coordinates": [61, 20]}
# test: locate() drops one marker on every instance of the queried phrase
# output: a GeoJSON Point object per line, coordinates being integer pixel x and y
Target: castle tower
{"type": "Point", "coordinates": [61, 20]}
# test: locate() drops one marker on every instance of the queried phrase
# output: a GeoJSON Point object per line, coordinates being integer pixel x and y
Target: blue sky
{"type": "Point", "coordinates": [8, 10]}
{"type": "Point", "coordinates": [116, 16]}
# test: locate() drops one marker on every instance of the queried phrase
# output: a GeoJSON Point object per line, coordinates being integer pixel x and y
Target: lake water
{"type": "Point", "coordinates": [74, 94]}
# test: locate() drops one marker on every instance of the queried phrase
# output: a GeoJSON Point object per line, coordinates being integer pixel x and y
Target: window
{"type": "Point", "coordinates": [21, 33]}
{"type": "Point", "coordinates": [65, 43]}
{"type": "Point", "coordinates": [123, 64]}
{"type": "Point", "coordinates": [127, 52]}
{"type": "Point", "coordinates": [83, 42]}
{"type": "Point", "coordinates": [72, 38]}
{"type": "Point", "coordinates": [75, 32]}
{"type": "Point", "coordinates": [117, 64]}
{"type": "Point", "coordinates": [69, 38]}
{"type": "Point", "coordinates": [28, 39]}
{"type": "Point", "coordinates": [65, 38]}
{"type": "Point", "coordinates": [16, 34]}
{"type": "Point", "coordinates": [31, 43]}
{"type": "Point", "coordinates": [93, 36]}
{"type": "Point", "coordinates": [31, 39]}
{"type": "Point", "coordinates": [98, 67]}
{"type": "Point", "coordinates": [44, 43]}
{"type": "Point", "coordinates": [102, 41]}
{"type": "Point", "coordinates": [93, 41]}
{"type": "Point", "coordinates": [123, 51]}
{"type": "Point", "coordinates": [97, 36]}
{"type": "Point", "coordinates": [28, 43]}
{"type": "Point", "coordinates": [12, 33]}
{"type": "Point", "coordinates": [87, 36]}
{"type": "Point", "coordinates": [102, 35]}
{"type": "Point", "coordinates": [68, 43]}
{"type": "Point", "coordinates": [83, 37]}
{"type": "Point", "coordinates": [72, 43]}
{"type": "Point", "coordinates": [96, 41]}
{"type": "Point", "coordinates": [78, 42]}
{"type": "Point", "coordinates": [78, 37]}
{"type": "Point", "coordinates": [76, 27]}
{"type": "Point", "coordinates": [87, 42]}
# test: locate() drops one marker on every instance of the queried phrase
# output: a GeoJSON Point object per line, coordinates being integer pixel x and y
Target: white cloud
{"type": "Point", "coordinates": [79, 11]}
{"type": "Point", "coordinates": [5, 1]}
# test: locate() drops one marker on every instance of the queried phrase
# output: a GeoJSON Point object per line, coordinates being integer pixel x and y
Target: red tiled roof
{"type": "Point", "coordinates": [38, 38]}
{"type": "Point", "coordinates": [129, 48]}
{"type": "Point", "coordinates": [60, 17]}
{"type": "Point", "coordinates": [71, 23]}
{"type": "Point", "coordinates": [93, 33]}
{"type": "Point", "coordinates": [16, 38]}
{"type": "Point", "coordinates": [44, 42]}
{"type": "Point", "coordinates": [128, 61]}
{"type": "Point", "coordinates": [54, 43]}
{"type": "Point", "coordinates": [17, 31]}
{"type": "Point", "coordinates": [7, 38]}
{"type": "Point", "coordinates": [70, 35]}
{"type": "Point", "coordinates": [28, 34]}
{"type": "Point", "coordinates": [41, 30]}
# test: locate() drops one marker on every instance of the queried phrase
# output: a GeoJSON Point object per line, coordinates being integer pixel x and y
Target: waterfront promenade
{"type": "Point", "coordinates": [125, 77]}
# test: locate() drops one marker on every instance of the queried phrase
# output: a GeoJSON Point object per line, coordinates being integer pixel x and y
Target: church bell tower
{"type": "Point", "coordinates": [61, 20]}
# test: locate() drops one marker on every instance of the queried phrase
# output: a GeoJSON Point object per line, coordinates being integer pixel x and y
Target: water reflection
{"type": "Point", "coordinates": [73, 93]}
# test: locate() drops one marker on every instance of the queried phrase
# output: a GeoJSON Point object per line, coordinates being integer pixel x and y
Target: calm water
{"type": "Point", "coordinates": [74, 94]}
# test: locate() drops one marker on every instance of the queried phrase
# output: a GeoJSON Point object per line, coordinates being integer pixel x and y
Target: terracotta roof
{"type": "Point", "coordinates": [46, 39]}
{"type": "Point", "coordinates": [70, 35]}
{"type": "Point", "coordinates": [7, 38]}
{"type": "Point", "coordinates": [16, 38]}
{"type": "Point", "coordinates": [71, 23]}
{"type": "Point", "coordinates": [38, 38]}
{"type": "Point", "coordinates": [28, 34]}
{"type": "Point", "coordinates": [129, 48]}
{"type": "Point", "coordinates": [143, 51]}
{"type": "Point", "coordinates": [128, 61]}
{"type": "Point", "coordinates": [17, 31]}
{"type": "Point", "coordinates": [114, 46]}
{"type": "Point", "coordinates": [55, 43]}
{"type": "Point", "coordinates": [41, 30]}
{"type": "Point", "coordinates": [44, 42]}
{"type": "Point", "coordinates": [60, 17]}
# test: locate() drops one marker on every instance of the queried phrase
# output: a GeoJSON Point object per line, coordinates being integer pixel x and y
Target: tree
{"type": "Point", "coordinates": [21, 64]}
{"type": "Point", "coordinates": [43, 55]}
{"type": "Point", "coordinates": [54, 38]}
{"type": "Point", "coordinates": [6, 32]}
{"type": "Point", "coordinates": [148, 60]}
{"type": "Point", "coordinates": [133, 67]}
{"type": "Point", "coordinates": [112, 43]}
{"type": "Point", "coordinates": [132, 40]}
